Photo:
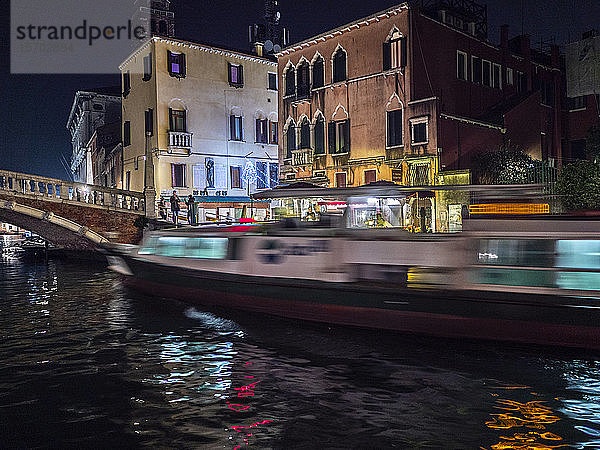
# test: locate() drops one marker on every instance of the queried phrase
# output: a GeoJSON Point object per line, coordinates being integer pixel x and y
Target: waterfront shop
{"type": "Point", "coordinates": [380, 204]}
{"type": "Point", "coordinates": [215, 208]}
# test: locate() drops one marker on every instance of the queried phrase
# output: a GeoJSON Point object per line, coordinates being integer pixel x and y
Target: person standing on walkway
{"type": "Point", "coordinates": [191, 209]}
{"type": "Point", "coordinates": [174, 200]}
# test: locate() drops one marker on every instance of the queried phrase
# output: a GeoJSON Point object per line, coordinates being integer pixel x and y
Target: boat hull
{"type": "Point", "coordinates": [543, 319]}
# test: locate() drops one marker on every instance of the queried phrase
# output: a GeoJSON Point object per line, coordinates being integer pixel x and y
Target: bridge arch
{"type": "Point", "coordinates": [52, 227]}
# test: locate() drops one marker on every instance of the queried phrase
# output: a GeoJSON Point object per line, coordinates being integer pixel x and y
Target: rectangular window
{"type": "Point", "coordinates": [487, 73]}
{"type": "Point", "coordinates": [274, 174]}
{"type": "Point", "coordinates": [370, 176]}
{"type": "Point", "coordinates": [236, 75]}
{"type": "Point", "coordinates": [178, 175]}
{"type": "Point", "coordinates": [320, 137]}
{"type": "Point", "coordinates": [521, 82]}
{"type": "Point", "coordinates": [147, 67]}
{"type": "Point", "coordinates": [496, 79]}
{"type": "Point", "coordinates": [126, 133]}
{"type": "Point", "coordinates": [577, 103]}
{"type": "Point", "coordinates": [394, 128]}
{"type": "Point", "coordinates": [394, 53]}
{"type": "Point", "coordinates": [273, 133]}
{"type": "Point", "coordinates": [149, 122]}
{"type": "Point", "coordinates": [236, 177]}
{"type": "Point", "coordinates": [476, 69]}
{"type": "Point", "coordinates": [272, 80]}
{"type": "Point", "coordinates": [461, 65]}
{"type": "Point", "coordinates": [509, 77]}
{"type": "Point", "coordinates": [343, 137]}
{"type": "Point", "coordinates": [126, 84]}
{"type": "Point", "coordinates": [235, 128]}
{"type": "Point", "coordinates": [128, 180]}
{"type": "Point", "coordinates": [262, 176]}
{"type": "Point", "coordinates": [419, 133]}
{"type": "Point", "coordinates": [340, 179]}
{"type": "Point", "coordinates": [177, 120]}
{"type": "Point", "coordinates": [331, 137]}
{"type": "Point", "coordinates": [176, 64]}
{"type": "Point", "coordinates": [262, 131]}
{"type": "Point", "coordinates": [339, 137]}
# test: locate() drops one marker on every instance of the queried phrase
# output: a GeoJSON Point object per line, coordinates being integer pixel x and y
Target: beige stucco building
{"type": "Point", "coordinates": [206, 118]}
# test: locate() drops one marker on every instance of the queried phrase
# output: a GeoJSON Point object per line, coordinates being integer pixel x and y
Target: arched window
{"type": "Point", "coordinates": [290, 81]}
{"type": "Point", "coordinates": [339, 65]}
{"type": "Point", "coordinates": [290, 140]}
{"type": "Point", "coordinates": [318, 73]}
{"type": "Point", "coordinates": [320, 135]}
{"type": "Point", "coordinates": [394, 122]}
{"type": "Point", "coordinates": [305, 134]}
{"type": "Point", "coordinates": [303, 79]}
{"type": "Point", "coordinates": [394, 51]}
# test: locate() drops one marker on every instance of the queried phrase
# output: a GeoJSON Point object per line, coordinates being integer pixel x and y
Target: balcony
{"type": "Point", "coordinates": [302, 157]}
{"type": "Point", "coordinates": [180, 142]}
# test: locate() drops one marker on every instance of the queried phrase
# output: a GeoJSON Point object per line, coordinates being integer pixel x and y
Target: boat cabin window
{"type": "Point", "coordinates": [519, 262]}
{"type": "Point", "coordinates": [516, 252]}
{"type": "Point", "coordinates": [578, 254]}
{"type": "Point", "coordinates": [148, 246]}
{"type": "Point", "coordinates": [186, 247]}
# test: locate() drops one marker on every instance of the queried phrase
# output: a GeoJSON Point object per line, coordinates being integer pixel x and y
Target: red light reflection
{"type": "Point", "coordinates": [246, 391]}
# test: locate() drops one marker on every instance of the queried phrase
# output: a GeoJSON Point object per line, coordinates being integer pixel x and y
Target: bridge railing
{"type": "Point", "coordinates": [52, 188]}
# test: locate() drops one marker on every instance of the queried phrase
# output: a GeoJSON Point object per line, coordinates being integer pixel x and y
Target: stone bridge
{"type": "Point", "coordinates": [70, 215]}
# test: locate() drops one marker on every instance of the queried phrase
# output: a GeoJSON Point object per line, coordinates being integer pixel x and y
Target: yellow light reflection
{"type": "Point", "coordinates": [528, 422]}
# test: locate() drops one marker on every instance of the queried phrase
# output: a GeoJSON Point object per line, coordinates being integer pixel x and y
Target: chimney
{"type": "Point", "coordinates": [525, 40]}
{"type": "Point", "coordinates": [555, 55]}
{"type": "Point", "coordinates": [504, 37]}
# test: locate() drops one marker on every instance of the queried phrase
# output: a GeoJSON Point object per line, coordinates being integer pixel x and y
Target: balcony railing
{"type": "Point", "coordinates": [180, 140]}
{"type": "Point", "coordinates": [302, 157]}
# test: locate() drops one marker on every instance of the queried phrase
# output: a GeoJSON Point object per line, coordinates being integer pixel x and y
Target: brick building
{"type": "Point", "coordinates": [412, 93]}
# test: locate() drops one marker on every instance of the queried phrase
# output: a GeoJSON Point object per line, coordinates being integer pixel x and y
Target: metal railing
{"type": "Point", "coordinates": [53, 189]}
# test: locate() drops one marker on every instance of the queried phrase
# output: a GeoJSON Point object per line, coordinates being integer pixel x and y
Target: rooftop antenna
{"type": "Point", "coordinates": [522, 17]}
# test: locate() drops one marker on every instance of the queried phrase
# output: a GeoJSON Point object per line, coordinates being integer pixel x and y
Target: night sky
{"type": "Point", "coordinates": [35, 108]}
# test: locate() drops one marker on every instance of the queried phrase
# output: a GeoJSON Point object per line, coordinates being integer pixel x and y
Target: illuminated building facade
{"type": "Point", "coordinates": [200, 120]}
{"type": "Point", "coordinates": [91, 110]}
{"type": "Point", "coordinates": [411, 94]}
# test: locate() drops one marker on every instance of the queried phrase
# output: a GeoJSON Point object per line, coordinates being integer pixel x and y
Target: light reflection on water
{"type": "Point", "coordinates": [84, 361]}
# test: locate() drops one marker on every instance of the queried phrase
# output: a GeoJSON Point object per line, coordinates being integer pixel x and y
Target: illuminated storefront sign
{"type": "Point", "coordinates": [510, 208]}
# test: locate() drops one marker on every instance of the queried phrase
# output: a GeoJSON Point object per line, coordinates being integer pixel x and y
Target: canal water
{"type": "Point", "coordinates": [84, 363]}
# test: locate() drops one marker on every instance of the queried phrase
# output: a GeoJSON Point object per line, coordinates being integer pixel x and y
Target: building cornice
{"type": "Point", "coordinates": [89, 94]}
{"type": "Point", "coordinates": [201, 47]}
{"type": "Point", "coordinates": [357, 24]}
